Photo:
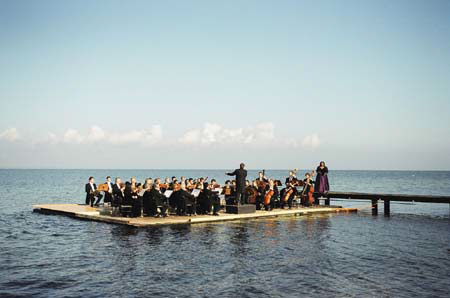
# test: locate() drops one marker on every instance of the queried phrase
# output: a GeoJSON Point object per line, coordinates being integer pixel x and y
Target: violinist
{"type": "Point", "coordinates": [148, 184]}
{"type": "Point", "coordinates": [308, 190]}
{"type": "Point", "coordinates": [158, 202]}
{"type": "Point", "coordinates": [165, 186]}
{"type": "Point", "coordinates": [186, 202]}
{"type": "Point", "coordinates": [174, 184]}
{"type": "Point", "coordinates": [227, 190]}
{"type": "Point", "coordinates": [118, 195]}
{"type": "Point", "coordinates": [146, 204]}
{"type": "Point", "coordinates": [189, 186]}
{"type": "Point", "coordinates": [108, 193]}
{"type": "Point", "coordinates": [214, 185]}
{"type": "Point", "coordinates": [209, 200]}
{"type": "Point", "coordinates": [132, 198]}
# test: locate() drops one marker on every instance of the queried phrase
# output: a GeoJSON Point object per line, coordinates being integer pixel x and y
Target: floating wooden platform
{"type": "Point", "coordinates": [88, 213]}
{"type": "Point", "coordinates": [387, 198]}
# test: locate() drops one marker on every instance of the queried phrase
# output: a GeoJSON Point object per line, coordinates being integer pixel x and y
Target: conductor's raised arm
{"type": "Point", "coordinates": [232, 173]}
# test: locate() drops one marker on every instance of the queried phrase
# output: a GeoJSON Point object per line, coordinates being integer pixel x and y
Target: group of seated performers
{"type": "Point", "coordinates": [200, 196]}
{"type": "Point", "coordinates": [265, 192]}
{"type": "Point", "coordinates": [157, 198]}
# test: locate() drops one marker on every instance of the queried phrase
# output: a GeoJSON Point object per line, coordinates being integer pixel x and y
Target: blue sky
{"type": "Point", "coordinates": [208, 84]}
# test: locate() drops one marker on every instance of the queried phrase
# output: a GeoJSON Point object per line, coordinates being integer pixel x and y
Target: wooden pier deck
{"type": "Point", "coordinates": [386, 198]}
{"type": "Point", "coordinates": [88, 213]}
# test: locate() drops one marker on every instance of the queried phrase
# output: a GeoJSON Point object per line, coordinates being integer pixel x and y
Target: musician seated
{"type": "Point", "coordinates": [92, 193]}
{"type": "Point", "coordinates": [131, 197]}
{"type": "Point", "coordinates": [271, 193]}
{"type": "Point", "coordinates": [109, 193]}
{"type": "Point", "coordinates": [118, 196]}
{"type": "Point", "coordinates": [230, 194]}
{"type": "Point", "coordinates": [288, 194]}
{"type": "Point", "coordinates": [251, 192]}
{"type": "Point", "coordinates": [209, 200]}
{"type": "Point", "coordinates": [186, 202]}
{"type": "Point", "coordinates": [308, 190]}
{"type": "Point", "coordinates": [158, 205]}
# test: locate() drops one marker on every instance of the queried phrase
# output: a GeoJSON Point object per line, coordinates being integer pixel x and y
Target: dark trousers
{"type": "Point", "coordinates": [90, 199]}
{"type": "Point", "coordinates": [241, 198]}
{"type": "Point", "coordinates": [108, 197]}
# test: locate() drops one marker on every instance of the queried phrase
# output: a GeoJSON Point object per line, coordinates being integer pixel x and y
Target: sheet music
{"type": "Point", "coordinates": [222, 200]}
{"type": "Point", "coordinates": [195, 192]}
{"type": "Point", "coordinates": [168, 193]}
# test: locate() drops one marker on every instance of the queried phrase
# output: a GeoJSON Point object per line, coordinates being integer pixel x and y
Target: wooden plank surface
{"type": "Point", "coordinates": [391, 197]}
{"type": "Point", "coordinates": [89, 213]}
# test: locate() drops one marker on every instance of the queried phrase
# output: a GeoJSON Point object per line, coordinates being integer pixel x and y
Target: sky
{"type": "Point", "coordinates": [209, 84]}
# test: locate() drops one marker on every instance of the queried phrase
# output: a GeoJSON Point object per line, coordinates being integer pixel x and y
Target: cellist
{"type": "Point", "coordinates": [251, 192]}
{"type": "Point", "coordinates": [290, 191]}
{"type": "Point", "coordinates": [308, 190]}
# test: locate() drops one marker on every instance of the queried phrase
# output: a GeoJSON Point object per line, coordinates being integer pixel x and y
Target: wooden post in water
{"type": "Point", "coordinates": [387, 207]}
{"type": "Point", "coordinates": [374, 206]}
{"type": "Point", "coordinates": [327, 200]}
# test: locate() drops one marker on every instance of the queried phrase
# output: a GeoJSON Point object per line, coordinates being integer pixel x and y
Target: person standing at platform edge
{"type": "Point", "coordinates": [322, 185]}
{"type": "Point", "coordinates": [241, 175]}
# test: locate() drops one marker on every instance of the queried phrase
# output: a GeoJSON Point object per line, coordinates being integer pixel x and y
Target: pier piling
{"type": "Point", "coordinates": [374, 206]}
{"type": "Point", "coordinates": [387, 207]}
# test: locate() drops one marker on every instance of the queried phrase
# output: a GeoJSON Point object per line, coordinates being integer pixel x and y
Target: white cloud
{"type": "Point", "coordinates": [144, 136]}
{"type": "Point", "coordinates": [213, 133]}
{"type": "Point", "coordinates": [311, 141]}
{"type": "Point", "coordinates": [10, 135]}
{"type": "Point", "coordinates": [51, 138]}
{"type": "Point", "coordinates": [72, 136]}
{"type": "Point", "coordinates": [191, 137]}
{"type": "Point", "coordinates": [292, 142]}
{"type": "Point", "coordinates": [97, 134]}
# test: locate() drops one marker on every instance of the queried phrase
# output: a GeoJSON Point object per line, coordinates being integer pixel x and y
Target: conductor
{"type": "Point", "coordinates": [240, 174]}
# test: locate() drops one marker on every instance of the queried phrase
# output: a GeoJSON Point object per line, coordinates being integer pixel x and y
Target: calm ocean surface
{"type": "Point", "coordinates": [348, 255]}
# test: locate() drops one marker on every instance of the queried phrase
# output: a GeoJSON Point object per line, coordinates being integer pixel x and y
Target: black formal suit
{"type": "Point", "coordinates": [108, 194]}
{"type": "Point", "coordinates": [118, 195]}
{"type": "Point", "coordinates": [90, 196]}
{"type": "Point", "coordinates": [209, 200]}
{"type": "Point", "coordinates": [156, 199]}
{"type": "Point", "coordinates": [184, 199]}
{"type": "Point", "coordinates": [241, 175]}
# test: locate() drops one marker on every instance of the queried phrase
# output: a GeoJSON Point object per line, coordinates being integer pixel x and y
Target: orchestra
{"type": "Point", "coordinates": [192, 196]}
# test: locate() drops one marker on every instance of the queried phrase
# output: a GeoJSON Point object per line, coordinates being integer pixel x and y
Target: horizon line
{"type": "Point", "coordinates": [225, 169]}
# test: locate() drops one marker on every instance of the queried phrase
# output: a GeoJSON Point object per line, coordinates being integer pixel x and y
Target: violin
{"type": "Point", "coordinates": [163, 185]}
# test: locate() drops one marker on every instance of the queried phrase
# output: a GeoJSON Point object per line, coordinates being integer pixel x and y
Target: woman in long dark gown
{"type": "Point", "coordinates": [322, 186]}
